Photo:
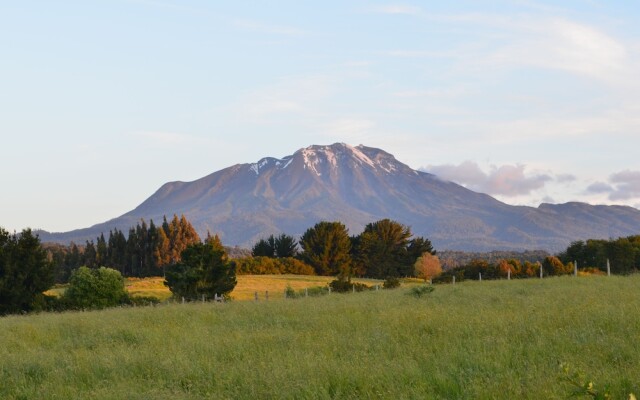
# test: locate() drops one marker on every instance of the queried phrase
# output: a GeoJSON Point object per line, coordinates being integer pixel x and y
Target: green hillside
{"type": "Point", "coordinates": [475, 340]}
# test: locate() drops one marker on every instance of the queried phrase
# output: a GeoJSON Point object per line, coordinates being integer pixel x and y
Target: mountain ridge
{"type": "Point", "coordinates": [357, 185]}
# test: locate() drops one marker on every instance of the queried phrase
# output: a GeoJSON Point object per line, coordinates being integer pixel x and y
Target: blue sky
{"type": "Point", "coordinates": [101, 102]}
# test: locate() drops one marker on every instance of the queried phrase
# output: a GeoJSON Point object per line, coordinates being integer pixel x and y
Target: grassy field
{"type": "Point", "coordinates": [474, 340]}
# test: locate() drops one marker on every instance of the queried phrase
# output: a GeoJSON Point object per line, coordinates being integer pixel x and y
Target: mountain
{"type": "Point", "coordinates": [358, 185]}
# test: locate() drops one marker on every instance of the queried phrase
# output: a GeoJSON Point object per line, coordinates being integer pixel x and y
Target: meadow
{"type": "Point", "coordinates": [473, 340]}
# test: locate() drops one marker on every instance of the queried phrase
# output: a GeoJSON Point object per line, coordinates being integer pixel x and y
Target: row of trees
{"type": "Point", "coordinates": [200, 269]}
{"type": "Point", "coordinates": [551, 266]}
{"type": "Point", "coordinates": [623, 254]}
{"type": "Point", "coordinates": [146, 251]}
{"type": "Point", "coordinates": [384, 249]}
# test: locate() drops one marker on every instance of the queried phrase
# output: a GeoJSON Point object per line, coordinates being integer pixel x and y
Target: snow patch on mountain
{"type": "Point", "coordinates": [360, 156]}
{"type": "Point", "coordinates": [311, 160]}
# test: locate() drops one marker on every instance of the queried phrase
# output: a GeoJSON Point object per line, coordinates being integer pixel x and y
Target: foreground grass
{"type": "Point", "coordinates": [499, 339]}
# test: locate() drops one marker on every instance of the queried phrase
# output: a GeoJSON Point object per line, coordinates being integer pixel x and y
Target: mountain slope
{"type": "Point", "coordinates": [358, 185]}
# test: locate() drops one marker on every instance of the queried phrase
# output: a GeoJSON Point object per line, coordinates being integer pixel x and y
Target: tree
{"type": "Point", "coordinates": [101, 250]}
{"type": "Point", "coordinates": [264, 248]}
{"type": "Point", "coordinates": [25, 272]}
{"type": "Point", "coordinates": [553, 266]}
{"type": "Point", "coordinates": [95, 288]}
{"type": "Point", "coordinates": [383, 249]}
{"type": "Point", "coordinates": [428, 266]}
{"type": "Point", "coordinates": [326, 247]}
{"type": "Point", "coordinates": [161, 251]}
{"type": "Point", "coordinates": [418, 246]}
{"type": "Point", "coordinates": [204, 269]}
{"type": "Point", "coordinates": [513, 265]}
{"type": "Point", "coordinates": [181, 234]}
{"type": "Point", "coordinates": [285, 246]}
{"type": "Point", "coordinates": [90, 254]}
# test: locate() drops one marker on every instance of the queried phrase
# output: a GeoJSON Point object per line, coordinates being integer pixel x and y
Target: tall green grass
{"type": "Point", "coordinates": [475, 340]}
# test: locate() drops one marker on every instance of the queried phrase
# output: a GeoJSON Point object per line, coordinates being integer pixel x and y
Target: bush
{"type": "Point", "coordinates": [95, 289]}
{"type": "Point", "coordinates": [419, 291]}
{"type": "Point", "coordinates": [268, 266]}
{"type": "Point", "coordinates": [344, 286]}
{"type": "Point", "coordinates": [391, 283]}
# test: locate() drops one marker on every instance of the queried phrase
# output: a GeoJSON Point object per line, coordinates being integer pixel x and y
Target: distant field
{"type": "Point", "coordinates": [244, 290]}
{"type": "Point", "coordinates": [474, 340]}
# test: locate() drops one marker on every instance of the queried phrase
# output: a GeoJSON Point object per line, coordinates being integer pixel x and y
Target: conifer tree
{"type": "Point", "coordinates": [204, 270]}
{"type": "Point", "coordinates": [383, 249]}
{"type": "Point", "coordinates": [25, 272]}
{"type": "Point", "coordinates": [285, 246]}
{"type": "Point", "coordinates": [264, 248]}
{"type": "Point", "coordinates": [326, 247]}
{"type": "Point", "coordinates": [101, 251]}
{"type": "Point", "coordinates": [89, 256]}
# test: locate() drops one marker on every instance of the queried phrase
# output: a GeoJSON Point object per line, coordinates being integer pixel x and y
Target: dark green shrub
{"type": "Point", "coordinates": [95, 288]}
{"type": "Point", "coordinates": [290, 293]}
{"type": "Point", "coordinates": [391, 283]}
{"type": "Point", "coordinates": [419, 291]}
{"type": "Point", "coordinates": [344, 286]}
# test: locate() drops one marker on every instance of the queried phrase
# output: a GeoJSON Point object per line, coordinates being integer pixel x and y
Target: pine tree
{"type": "Point", "coordinates": [326, 247]}
{"type": "Point", "coordinates": [285, 246]}
{"type": "Point", "coordinates": [25, 272]}
{"type": "Point", "coordinates": [101, 251]}
{"type": "Point", "coordinates": [264, 248]}
{"type": "Point", "coordinates": [89, 256]}
{"type": "Point", "coordinates": [204, 270]}
{"type": "Point", "coordinates": [162, 250]}
{"type": "Point", "coordinates": [382, 249]}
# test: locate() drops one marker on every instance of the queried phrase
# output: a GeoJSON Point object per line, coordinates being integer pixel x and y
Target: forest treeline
{"type": "Point", "coordinates": [619, 256]}
{"type": "Point", "coordinates": [145, 251]}
{"type": "Point", "coordinates": [385, 248]}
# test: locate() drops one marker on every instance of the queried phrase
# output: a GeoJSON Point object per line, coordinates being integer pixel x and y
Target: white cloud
{"type": "Point", "coordinates": [565, 45]}
{"type": "Point", "coordinates": [505, 180]}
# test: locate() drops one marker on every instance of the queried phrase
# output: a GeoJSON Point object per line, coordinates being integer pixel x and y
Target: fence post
{"type": "Point", "coordinates": [608, 268]}
{"type": "Point", "coordinates": [306, 292]}
{"type": "Point", "coordinates": [266, 295]}
{"type": "Point", "coordinates": [182, 299]}
{"type": "Point", "coordinates": [540, 265]}
{"type": "Point", "coordinates": [575, 268]}
{"type": "Point", "coordinates": [256, 296]}
{"type": "Point", "coordinates": [329, 289]}
{"type": "Point", "coordinates": [454, 279]}
{"type": "Point", "coordinates": [203, 299]}
{"type": "Point", "coordinates": [509, 274]}
{"type": "Point", "coordinates": [353, 288]}
{"type": "Point", "coordinates": [480, 276]}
